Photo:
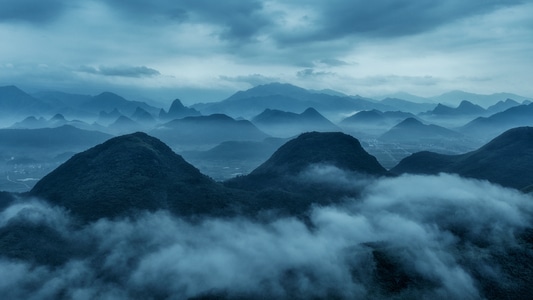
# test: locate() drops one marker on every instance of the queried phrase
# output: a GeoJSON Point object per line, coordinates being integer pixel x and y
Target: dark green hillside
{"type": "Point", "coordinates": [312, 148]}
{"type": "Point", "coordinates": [334, 148]}
{"type": "Point", "coordinates": [130, 173]}
{"type": "Point", "coordinates": [506, 160]}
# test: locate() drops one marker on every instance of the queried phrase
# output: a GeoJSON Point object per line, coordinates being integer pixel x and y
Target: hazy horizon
{"type": "Point", "coordinates": [201, 51]}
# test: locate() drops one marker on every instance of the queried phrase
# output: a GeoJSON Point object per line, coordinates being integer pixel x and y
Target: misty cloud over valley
{"type": "Point", "coordinates": [451, 238]}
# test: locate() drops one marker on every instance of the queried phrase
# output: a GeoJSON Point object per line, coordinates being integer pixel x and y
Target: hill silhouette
{"type": "Point", "coordinates": [454, 97]}
{"type": "Point", "coordinates": [177, 111]}
{"type": "Point", "coordinates": [16, 103]}
{"type": "Point", "coordinates": [142, 116]}
{"type": "Point", "coordinates": [108, 101]}
{"type": "Point", "coordinates": [408, 106]}
{"type": "Point", "coordinates": [298, 175]}
{"type": "Point", "coordinates": [131, 173]}
{"type": "Point", "coordinates": [202, 130]}
{"type": "Point", "coordinates": [412, 130]}
{"type": "Point", "coordinates": [506, 160]}
{"type": "Point", "coordinates": [502, 106]}
{"type": "Point", "coordinates": [63, 138]}
{"type": "Point", "coordinates": [465, 108]}
{"type": "Point", "coordinates": [313, 148]}
{"type": "Point", "coordinates": [284, 124]}
{"type": "Point", "coordinates": [374, 122]}
{"type": "Point", "coordinates": [489, 127]}
{"type": "Point", "coordinates": [335, 148]}
{"type": "Point", "coordinates": [287, 97]}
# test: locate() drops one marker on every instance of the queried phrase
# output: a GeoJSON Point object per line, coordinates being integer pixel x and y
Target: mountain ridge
{"type": "Point", "coordinates": [505, 160]}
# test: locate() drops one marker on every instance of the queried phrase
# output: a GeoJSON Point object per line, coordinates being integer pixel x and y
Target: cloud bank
{"type": "Point", "coordinates": [194, 44]}
{"type": "Point", "coordinates": [121, 71]}
{"type": "Point", "coordinates": [449, 238]}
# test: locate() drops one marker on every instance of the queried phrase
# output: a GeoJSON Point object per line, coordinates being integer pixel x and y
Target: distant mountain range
{"type": "Point", "coordinates": [413, 131]}
{"type": "Point", "coordinates": [489, 127]}
{"type": "Point", "coordinates": [286, 124]}
{"type": "Point", "coordinates": [177, 111]}
{"type": "Point", "coordinates": [455, 97]}
{"type": "Point", "coordinates": [465, 108]}
{"type": "Point", "coordinates": [40, 141]}
{"type": "Point", "coordinates": [506, 160]}
{"type": "Point", "coordinates": [373, 122]}
{"type": "Point", "coordinates": [212, 129]}
{"type": "Point", "coordinates": [17, 104]}
{"type": "Point", "coordinates": [409, 106]}
{"type": "Point", "coordinates": [286, 97]}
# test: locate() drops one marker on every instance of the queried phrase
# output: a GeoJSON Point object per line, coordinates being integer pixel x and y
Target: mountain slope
{"type": "Point", "coordinates": [285, 124]}
{"type": "Point", "coordinates": [63, 138]}
{"type": "Point", "coordinates": [335, 148]}
{"type": "Point", "coordinates": [177, 111]}
{"type": "Point", "coordinates": [489, 127]}
{"type": "Point", "coordinates": [454, 97]}
{"type": "Point", "coordinates": [502, 106]}
{"type": "Point", "coordinates": [207, 130]}
{"type": "Point", "coordinates": [307, 150]}
{"type": "Point", "coordinates": [412, 130]}
{"type": "Point", "coordinates": [465, 108]}
{"type": "Point", "coordinates": [506, 160]}
{"type": "Point", "coordinates": [108, 101]}
{"type": "Point", "coordinates": [374, 122]}
{"type": "Point", "coordinates": [16, 103]}
{"type": "Point", "coordinates": [299, 174]}
{"type": "Point", "coordinates": [408, 106]}
{"type": "Point", "coordinates": [131, 173]}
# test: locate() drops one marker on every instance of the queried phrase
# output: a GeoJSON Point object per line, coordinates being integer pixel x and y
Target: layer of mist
{"type": "Point", "coordinates": [431, 237]}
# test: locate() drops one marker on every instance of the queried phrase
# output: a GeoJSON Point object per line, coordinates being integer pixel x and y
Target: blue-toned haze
{"type": "Point", "coordinates": [202, 50]}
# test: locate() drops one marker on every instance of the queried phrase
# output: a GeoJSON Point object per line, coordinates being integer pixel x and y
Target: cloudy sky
{"type": "Point", "coordinates": [201, 50]}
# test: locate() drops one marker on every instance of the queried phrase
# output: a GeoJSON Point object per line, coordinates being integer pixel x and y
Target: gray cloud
{"type": "Point", "coordinates": [238, 20]}
{"type": "Point", "coordinates": [252, 79]}
{"type": "Point", "coordinates": [269, 37]}
{"type": "Point", "coordinates": [451, 244]}
{"type": "Point", "coordinates": [342, 18]}
{"type": "Point", "coordinates": [306, 73]}
{"type": "Point", "coordinates": [332, 62]}
{"type": "Point", "coordinates": [399, 80]}
{"type": "Point", "coordinates": [121, 71]}
{"type": "Point", "coordinates": [33, 11]}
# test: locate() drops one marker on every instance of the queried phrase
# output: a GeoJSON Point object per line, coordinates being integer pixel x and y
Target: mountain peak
{"type": "Point", "coordinates": [274, 88]}
{"type": "Point", "coordinates": [108, 95]}
{"type": "Point", "coordinates": [142, 115]}
{"type": "Point", "coordinates": [176, 106]}
{"type": "Point", "coordinates": [124, 174]}
{"type": "Point", "coordinates": [409, 122]}
{"type": "Point", "coordinates": [58, 117]}
{"type": "Point", "coordinates": [335, 148]}
{"type": "Point", "coordinates": [506, 160]}
{"type": "Point", "coordinates": [466, 103]}
{"type": "Point", "coordinates": [177, 110]}
{"type": "Point", "coordinates": [311, 112]}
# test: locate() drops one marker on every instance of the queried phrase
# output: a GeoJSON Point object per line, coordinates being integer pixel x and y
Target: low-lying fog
{"type": "Point", "coordinates": [443, 237]}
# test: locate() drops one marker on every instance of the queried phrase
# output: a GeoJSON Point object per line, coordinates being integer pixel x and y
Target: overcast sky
{"type": "Point", "coordinates": [201, 50]}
